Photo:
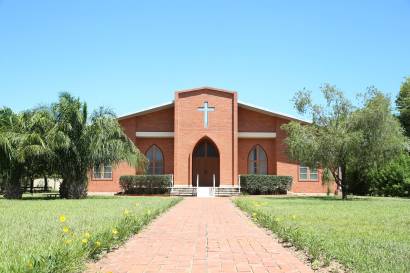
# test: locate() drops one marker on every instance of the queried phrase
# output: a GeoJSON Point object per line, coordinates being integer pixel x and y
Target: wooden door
{"type": "Point", "coordinates": [205, 164]}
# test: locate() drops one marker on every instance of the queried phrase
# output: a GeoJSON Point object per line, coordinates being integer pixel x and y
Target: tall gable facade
{"type": "Point", "coordinates": [205, 137]}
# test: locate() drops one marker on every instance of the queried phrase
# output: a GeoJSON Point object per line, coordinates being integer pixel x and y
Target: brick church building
{"type": "Point", "coordinates": [206, 136]}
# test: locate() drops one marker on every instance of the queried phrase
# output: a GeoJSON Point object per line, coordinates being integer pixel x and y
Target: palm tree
{"type": "Point", "coordinates": [81, 142]}
{"type": "Point", "coordinates": [21, 142]}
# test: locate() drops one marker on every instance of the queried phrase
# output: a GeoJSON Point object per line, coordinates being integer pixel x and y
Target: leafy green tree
{"type": "Point", "coordinates": [403, 105]}
{"type": "Point", "coordinates": [20, 144]}
{"type": "Point", "coordinates": [81, 142]}
{"type": "Point", "coordinates": [392, 179]}
{"type": "Point", "coordinates": [342, 136]}
{"type": "Point", "coordinates": [40, 121]}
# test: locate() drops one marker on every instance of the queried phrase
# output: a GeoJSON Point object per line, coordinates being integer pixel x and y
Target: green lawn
{"type": "Point", "coordinates": [60, 235]}
{"type": "Point", "coordinates": [364, 234]}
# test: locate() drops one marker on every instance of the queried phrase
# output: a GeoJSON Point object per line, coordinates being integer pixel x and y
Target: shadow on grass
{"type": "Point", "coordinates": [317, 198]}
{"type": "Point", "coordinates": [40, 197]}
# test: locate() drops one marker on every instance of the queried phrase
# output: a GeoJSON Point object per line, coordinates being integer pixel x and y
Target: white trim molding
{"type": "Point", "coordinates": [154, 134]}
{"type": "Point", "coordinates": [256, 134]}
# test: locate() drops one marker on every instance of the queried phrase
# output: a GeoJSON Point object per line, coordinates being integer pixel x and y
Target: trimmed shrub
{"type": "Point", "coordinates": [265, 184]}
{"type": "Point", "coordinates": [145, 184]}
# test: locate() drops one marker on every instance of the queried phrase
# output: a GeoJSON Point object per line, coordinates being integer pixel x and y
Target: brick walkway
{"type": "Point", "coordinates": [201, 235]}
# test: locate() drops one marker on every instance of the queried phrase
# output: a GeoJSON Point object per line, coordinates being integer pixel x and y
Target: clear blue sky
{"type": "Point", "coordinates": [132, 54]}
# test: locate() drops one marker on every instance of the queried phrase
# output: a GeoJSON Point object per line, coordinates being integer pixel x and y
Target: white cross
{"type": "Point", "coordinates": [206, 109]}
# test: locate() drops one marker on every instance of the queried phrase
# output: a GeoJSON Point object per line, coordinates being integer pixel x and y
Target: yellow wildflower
{"type": "Point", "coordinates": [254, 214]}
{"type": "Point", "coordinates": [66, 229]}
{"type": "Point", "coordinates": [98, 243]}
{"type": "Point", "coordinates": [68, 241]}
{"type": "Point", "coordinates": [87, 235]}
{"type": "Point", "coordinates": [293, 217]}
{"type": "Point", "coordinates": [114, 231]}
{"type": "Point", "coordinates": [126, 212]}
{"type": "Point", "coordinates": [30, 265]}
{"type": "Point", "coordinates": [84, 241]}
{"type": "Point", "coordinates": [62, 218]}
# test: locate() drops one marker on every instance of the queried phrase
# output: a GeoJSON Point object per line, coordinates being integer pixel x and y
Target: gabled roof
{"type": "Point", "coordinates": [205, 88]}
{"type": "Point", "coordinates": [240, 104]}
{"type": "Point", "coordinates": [269, 112]}
{"type": "Point", "coordinates": [149, 110]}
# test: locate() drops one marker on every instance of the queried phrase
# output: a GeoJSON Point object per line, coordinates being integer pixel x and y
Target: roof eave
{"type": "Point", "coordinates": [270, 113]}
{"type": "Point", "coordinates": [149, 110]}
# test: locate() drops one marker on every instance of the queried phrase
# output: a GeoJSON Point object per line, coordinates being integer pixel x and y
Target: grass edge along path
{"type": "Point", "coordinates": [287, 234]}
{"type": "Point", "coordinates": [77, 249]}
{"type": "Point", "coordinates": [274, 214]}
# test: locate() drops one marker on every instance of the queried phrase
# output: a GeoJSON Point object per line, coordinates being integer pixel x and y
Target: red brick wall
{"type": "Point", "coordinates": [245, 146]}
{"type": "Point", "coordinates": [159, 121]}
{"type": "Point", "coordinates": [189, 130]}
{"type": "Point", "coordinates": [251, 121]}
{"type": "Point", "coordinates": [224, 124]}
{"type": "Point", "coordinates": [110, 185]}
{"type": "Point", "coordinates": [285, 167]}
{"type": "Point", "coordinates": [165, 144]}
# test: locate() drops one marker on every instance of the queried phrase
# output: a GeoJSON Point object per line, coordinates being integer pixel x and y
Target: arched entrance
{"type": "Point", "coordinates": [205, 164]}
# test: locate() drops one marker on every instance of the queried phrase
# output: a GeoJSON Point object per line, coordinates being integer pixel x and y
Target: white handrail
{"type": "Point", "coordinates": [239, 182]}
{"type": "Point", "coordinates": [197, 180]}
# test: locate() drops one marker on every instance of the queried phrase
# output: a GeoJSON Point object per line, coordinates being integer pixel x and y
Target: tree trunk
{"type": "Point", "coordinates": [12, 189]}
{"type": "Point", "coordinates": [31, 185]}
{"type": "Point", "coordinates": [343, 182]}
{"type": "Point", "coordinates": [45, 183]}
{"type": "Point", "coordinates": [74, 187]}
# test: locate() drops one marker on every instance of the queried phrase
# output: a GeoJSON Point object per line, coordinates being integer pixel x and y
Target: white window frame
{"type": "Point", "coordinates": [102, 172]}
{"type": "Point", "coordinates": [309, 173]}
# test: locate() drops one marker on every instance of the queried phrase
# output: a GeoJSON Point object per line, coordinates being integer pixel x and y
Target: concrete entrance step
{"type": "Point", "coordinates": [205, 192]}
{"type": "Point", "coordinates": [228, 191]}
{"type": "Point", "coordinates": [183, 191]}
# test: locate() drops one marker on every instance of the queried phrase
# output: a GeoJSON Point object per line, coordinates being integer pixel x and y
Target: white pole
{"type": "Point", "coordinates": [239, 182]}
{"type": "Point", "coordinates": [214, 184]}
{"type": "Point", "coordinates": [172, 180]}
{"type": "Point", "coordinates": [197, 180]}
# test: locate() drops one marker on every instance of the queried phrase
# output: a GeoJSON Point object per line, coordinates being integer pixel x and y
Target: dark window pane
{"type": "Point", "coordinates": [211, 150]}
{"type": "Point", "coordinates": [150, 154]}
{"type": "Point", "coordinates": [303, 173]}
{"type": "Point", "coordinates": [261, 153]}
{"type": "Point", "coordinates": [150, 169]}
{"type": "Point", "coordinates": [156, 160]}
{"type": "Point", "coordinates": [254, 154]}
{"type": "Point", "coordinates": [158, 154]}
{"type": "Point", "coordinates": [313, 174]}
{"type": "Point", "coordinates": [263, 167]}
{"type": "Point", "coordinates": [97, 171]}
{"type": "Point", "coordinates": [200, 150]}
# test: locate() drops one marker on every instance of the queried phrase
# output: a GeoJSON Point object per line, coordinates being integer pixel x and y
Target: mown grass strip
{"type": "Point", "coordinates": [61, 235]}
{"type": "Point", "coordinates": [364, 234]}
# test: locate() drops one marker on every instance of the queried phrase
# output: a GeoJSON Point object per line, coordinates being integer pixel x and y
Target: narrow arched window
{"type": "Point", "coordinates": [257, 161]}
{"type": "Point", "coordinates": [156, 160]}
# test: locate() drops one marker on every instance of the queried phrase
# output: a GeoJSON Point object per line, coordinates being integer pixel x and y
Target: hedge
{"type": "Point", "coordinates": [265, 184]}
{"type": "Point", "coordinates": [145, 184]}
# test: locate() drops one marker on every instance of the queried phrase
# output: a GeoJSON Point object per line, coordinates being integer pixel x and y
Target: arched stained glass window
{"type": "Point", "coordinates": [257, 161]}
{"type": "Point", "coordinates": [156, 160]}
